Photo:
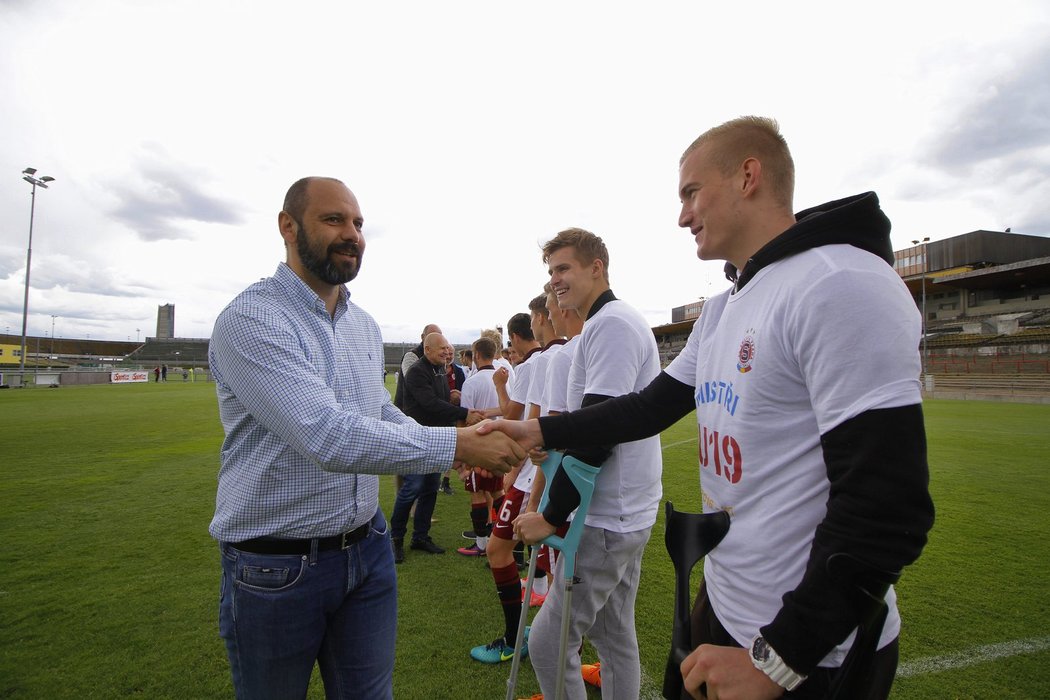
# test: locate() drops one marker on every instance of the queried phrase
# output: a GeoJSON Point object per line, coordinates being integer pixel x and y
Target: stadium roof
{"type": "Point", "coordinates": [1011, 275]}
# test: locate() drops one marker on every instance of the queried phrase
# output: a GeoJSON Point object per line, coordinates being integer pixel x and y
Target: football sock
{"type": "Point", "coordinates": [508, 586]}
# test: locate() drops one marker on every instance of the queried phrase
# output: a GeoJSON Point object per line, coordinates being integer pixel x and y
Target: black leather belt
{"type": "Point", "coordinates": [273, 545]}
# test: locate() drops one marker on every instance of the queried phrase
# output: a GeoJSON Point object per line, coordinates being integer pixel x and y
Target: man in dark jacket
{"type": "Point", "coordinates": [407, 360]}
{"type": "Point", "coordinates": [427, 401]}
{"type": "Point", "coordinates": [805, 381]}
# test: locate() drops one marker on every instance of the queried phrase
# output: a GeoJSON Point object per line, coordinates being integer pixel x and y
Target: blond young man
{"type": "Point", "coordinates": [616, 353]}
{"type": "Point", "coordinates": [809, 419]}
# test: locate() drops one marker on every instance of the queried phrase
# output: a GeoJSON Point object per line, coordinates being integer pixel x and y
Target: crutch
{"type": "Point", "coordinates": [688, 537]}
{"type": "Point", "coordinates": [582, 476]}
{"type": "Point", "coordinates": [868, 587]}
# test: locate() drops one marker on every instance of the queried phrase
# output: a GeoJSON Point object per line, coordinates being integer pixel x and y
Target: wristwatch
{"type": "Point", "coordinates": [769, 662]}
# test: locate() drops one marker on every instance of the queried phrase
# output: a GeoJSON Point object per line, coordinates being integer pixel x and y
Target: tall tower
{"type": "Point", "coordinates": [166, 321]}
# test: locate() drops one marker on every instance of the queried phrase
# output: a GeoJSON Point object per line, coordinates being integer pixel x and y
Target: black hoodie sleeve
{"type": "Point", "coordinates": [879, 510]}
{"type": "Point", "coordinates": [603, 422]}
{"type": "Point", "coordinates": [625, 418]}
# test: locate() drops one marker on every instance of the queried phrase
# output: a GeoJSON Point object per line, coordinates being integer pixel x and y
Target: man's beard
{"type": "Point", "coordinates": [321, 265]}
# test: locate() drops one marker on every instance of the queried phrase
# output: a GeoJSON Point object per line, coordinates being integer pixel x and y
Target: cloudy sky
{"type": "Point", "coordinates": [473, 131]}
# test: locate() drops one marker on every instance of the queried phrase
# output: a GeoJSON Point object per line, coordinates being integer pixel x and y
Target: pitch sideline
{"type": "Point", "coordinates": [927, 665]}
{"type": "Point", "coordinates": [972, 657]}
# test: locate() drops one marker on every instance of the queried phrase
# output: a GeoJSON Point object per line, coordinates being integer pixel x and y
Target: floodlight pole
{"type": "Point", "coordinates": [925, 356]}
{"type": "Point", "coordinates": [29, 175]}
{"type": "Point", "coordinates": [51, 353]}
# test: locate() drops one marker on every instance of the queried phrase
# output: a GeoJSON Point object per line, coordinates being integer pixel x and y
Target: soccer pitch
{"type": "Point", "coordinates": [111, 581]}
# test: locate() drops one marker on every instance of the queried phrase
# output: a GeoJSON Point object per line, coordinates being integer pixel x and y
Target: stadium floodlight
{"type": "Point", "coordinates": [29, 175]}
{"type": "Point", "coordinates": [925, 356]}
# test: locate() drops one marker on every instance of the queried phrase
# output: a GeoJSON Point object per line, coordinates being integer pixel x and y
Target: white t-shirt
{"type": "Point", "coordinates": [500, 362]}
{"type": "Point", "coordinates": [537, 387]}
{"type": "Point", "coordinates": [478, 391]}
{"type": "Point", "coordinates": [616, 354]}
{"type": "Point", "coordinates": [810, 342]}
{"type": "Point", "coordinates": [556, 385]}
{"type": "Point", "coordinates": [518, 391]}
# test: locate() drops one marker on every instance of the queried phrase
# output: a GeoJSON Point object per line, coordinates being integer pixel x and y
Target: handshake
{"type": "Point", "coordinates": [496, 447]}
{"type": "Point", "coordinates": [474, 416]}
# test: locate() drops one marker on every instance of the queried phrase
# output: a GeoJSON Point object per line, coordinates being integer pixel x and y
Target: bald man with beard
{"type": "Point", "coordinates": [308, 579]}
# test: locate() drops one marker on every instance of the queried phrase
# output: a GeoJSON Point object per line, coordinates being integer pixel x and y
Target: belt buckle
{"type": "Point", "coordinates": [351, 537]}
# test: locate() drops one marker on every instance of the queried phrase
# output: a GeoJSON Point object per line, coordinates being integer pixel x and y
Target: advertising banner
{"type": "Point", "coordinates": [126, 377]}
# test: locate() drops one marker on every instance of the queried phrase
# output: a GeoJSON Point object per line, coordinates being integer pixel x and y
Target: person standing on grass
{"type": "Point", "coordinates": [307, 570]}
{"type": "Point", "coordinates": [501, 546]}
{"type": "Point", "coordinates": [804, 378]}
{"type": "Point", "coordinates": [616, 353]}
{"type": "Point", "coordinates": [456, 375]}
{"type": "Point", "coordinates": [407, 360]}
{"type": "Point", "coordinates": [428, 401]}
{"type": "Point", "coordinates": [486, 493]}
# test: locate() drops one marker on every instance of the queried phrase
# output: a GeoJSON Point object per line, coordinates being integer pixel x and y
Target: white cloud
{"type": "Point", "coordinates": [471, 133]}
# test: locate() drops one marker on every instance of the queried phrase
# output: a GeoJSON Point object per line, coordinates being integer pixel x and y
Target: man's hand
{"type": "Point", "coordinates": [500, 376]}
{"type": "Point", "coordinates": [454, 397]}
{"type": "Point", "coordinates": [475, 416]}
{"type": "Point", "coordinates": [728, 672]}
{"type": "Point", "coordinates": [525, 432]}
{"type": "Point", "coordinates": [493, 453]}
{"type": "Point", "coordinates": [532, 527]}
{"type": "Point", "coordinates": [537, 455]}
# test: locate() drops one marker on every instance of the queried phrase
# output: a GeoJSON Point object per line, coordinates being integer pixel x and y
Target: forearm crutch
{"type": "Point", "coordinates": [688, 537]}
{"type": "Point", "coordinates": [582, 476]}
{"type": "Point", "coordinates": [868, 587]}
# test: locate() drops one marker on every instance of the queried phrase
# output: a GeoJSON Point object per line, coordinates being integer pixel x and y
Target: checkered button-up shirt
{"type": "Point", "coordinates": [309, 424]}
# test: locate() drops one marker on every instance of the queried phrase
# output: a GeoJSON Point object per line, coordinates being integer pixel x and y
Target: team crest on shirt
{"type": "Point", "coordinates": [746, 355]}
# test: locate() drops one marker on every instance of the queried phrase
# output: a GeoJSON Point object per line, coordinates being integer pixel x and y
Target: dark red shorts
{"type": "Point", "coordinates": [547, 556]}
{"type": "Point", "coordinates": [514, 504]}
{"type": "Point", "coordinates": [476, 483]}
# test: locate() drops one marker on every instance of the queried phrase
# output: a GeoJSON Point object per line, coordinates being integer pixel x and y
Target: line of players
{"type": "Point", "coordinates": [577, 345]}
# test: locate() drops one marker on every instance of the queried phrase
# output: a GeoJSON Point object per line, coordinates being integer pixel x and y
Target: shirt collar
{"type": "Point", "coordinates": [286, 277]}
{"type": "Point", "coordinates": [603, 299]}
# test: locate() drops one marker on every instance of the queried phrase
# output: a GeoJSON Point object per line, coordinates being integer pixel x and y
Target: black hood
{"type": "Point", "coordinates": [856, 220]}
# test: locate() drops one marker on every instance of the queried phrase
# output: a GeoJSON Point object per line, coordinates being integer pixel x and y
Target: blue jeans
{"type": "Point", "coordinates": [423, 490]}
{"type": "Point", "coordinates": [280, 613]}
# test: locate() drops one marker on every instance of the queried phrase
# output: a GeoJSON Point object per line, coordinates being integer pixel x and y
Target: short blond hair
{"type": "Point", "coordinates": [751, 137]}
{"type": "Point", "coordinates": [485, 348]}
{"type": "Point", "coordinates": [586, 246]}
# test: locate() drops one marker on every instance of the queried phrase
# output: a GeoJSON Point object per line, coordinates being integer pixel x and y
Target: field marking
{"type": "Point", "coordinates": [972, 657]}
{"type": "Point", "coordinates": [918, 667]}
{"type": "Point", "coordinates": [650, 690]}
{"type": "Point", "coordinates": [930, 664]}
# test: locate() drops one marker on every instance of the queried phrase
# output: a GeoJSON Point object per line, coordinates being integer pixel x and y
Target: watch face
{"type": "Point", "coordinates": [760, 650]}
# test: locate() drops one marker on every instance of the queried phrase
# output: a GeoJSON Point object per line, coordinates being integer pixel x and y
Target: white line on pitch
{"type": "Point", "coordinates": [649, 689]}
{"type": "Point", "coordinates": [972, 657]}
{"type": "Point", "coordinates": [675, 444]}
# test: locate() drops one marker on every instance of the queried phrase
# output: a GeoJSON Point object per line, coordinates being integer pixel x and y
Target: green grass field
{"type": "Point", "coordinates": [110, 580]}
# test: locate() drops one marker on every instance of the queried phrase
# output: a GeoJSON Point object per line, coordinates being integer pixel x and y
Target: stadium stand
{"type": "Point", "coordinates": [174, 352]}
{"type": "Point", "coordinates": [986, 297]}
